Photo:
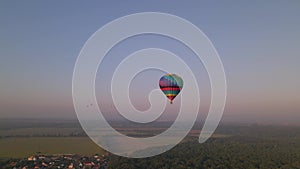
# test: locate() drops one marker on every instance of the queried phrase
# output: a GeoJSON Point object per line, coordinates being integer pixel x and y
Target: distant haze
{"type": "Point", "coordinates": [258, 43]}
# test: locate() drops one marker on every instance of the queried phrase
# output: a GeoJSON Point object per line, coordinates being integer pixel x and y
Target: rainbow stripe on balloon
{"type": "Point", "coordinates": [171, 85]}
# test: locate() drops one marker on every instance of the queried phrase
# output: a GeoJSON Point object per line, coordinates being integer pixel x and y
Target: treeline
{"type": "Point", "coordinates": [72, 134]}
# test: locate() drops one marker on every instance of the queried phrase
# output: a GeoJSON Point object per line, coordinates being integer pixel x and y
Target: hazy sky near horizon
{"type": "Point", "coordinates": [258, 42]}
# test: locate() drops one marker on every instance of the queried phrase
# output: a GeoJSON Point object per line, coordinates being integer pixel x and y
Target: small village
{"type": "Point", "coordinates": [60, 161]}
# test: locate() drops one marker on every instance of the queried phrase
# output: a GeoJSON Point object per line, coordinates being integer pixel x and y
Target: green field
{"type": "Point", "coordinates": [20, 147]}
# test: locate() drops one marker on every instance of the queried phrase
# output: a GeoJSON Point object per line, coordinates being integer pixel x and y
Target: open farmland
{"type": "Point", "coordinates": [20, 147]}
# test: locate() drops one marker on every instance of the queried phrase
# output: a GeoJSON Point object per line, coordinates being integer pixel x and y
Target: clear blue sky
{"type": "Point", "coordinates": [258, 42]}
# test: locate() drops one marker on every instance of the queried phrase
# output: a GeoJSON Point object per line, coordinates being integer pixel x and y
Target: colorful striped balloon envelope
{"type": "Point", "coordinates": [171, 85]}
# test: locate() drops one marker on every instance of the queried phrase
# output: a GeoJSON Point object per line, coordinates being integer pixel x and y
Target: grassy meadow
{"type": "Point", "coordinates": [20, 147]}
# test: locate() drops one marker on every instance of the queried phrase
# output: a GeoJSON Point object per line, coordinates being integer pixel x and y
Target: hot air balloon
{"type": "Point", "coordinates": [171, 84]}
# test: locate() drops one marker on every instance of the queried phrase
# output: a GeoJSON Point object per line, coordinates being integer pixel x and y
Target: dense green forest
{"type": "Point", "coordinates": [263, 147]}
